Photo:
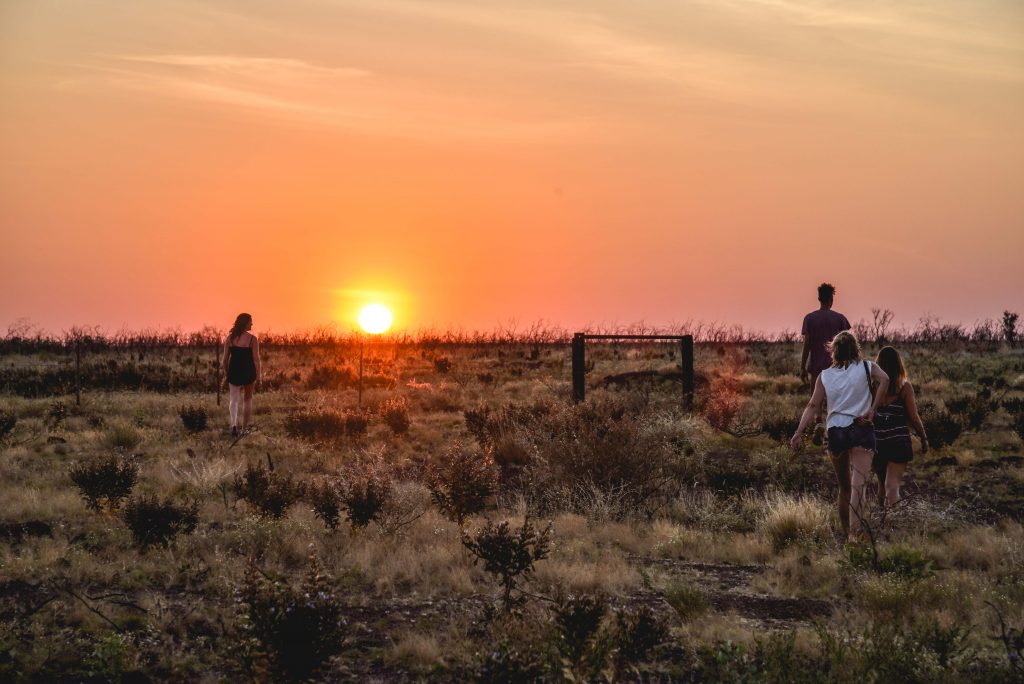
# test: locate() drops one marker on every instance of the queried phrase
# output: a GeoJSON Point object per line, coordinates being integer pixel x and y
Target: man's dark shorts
{"type": "Point", "coordinates": [842, 439]}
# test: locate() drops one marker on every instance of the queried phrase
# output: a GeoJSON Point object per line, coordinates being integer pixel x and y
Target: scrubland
{"type": "Point", "coordinates": [468, 522]}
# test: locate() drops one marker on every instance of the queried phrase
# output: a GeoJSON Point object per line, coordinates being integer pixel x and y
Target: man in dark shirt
{"type": "Point", "coordinates": [818, 330]}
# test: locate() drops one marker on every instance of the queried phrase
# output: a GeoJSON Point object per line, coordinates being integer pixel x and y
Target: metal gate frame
{"type": "Point", "coordinates": [579, 359]}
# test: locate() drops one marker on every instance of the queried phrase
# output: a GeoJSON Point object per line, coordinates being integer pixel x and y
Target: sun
{"type": "Point", "coordinates": [375, 318]}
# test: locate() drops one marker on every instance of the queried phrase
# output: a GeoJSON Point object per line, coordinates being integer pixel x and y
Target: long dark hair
{"type": "Point", "coordinates": [242, 322]}
{"type": "Point", "coordinates": [891, 362]}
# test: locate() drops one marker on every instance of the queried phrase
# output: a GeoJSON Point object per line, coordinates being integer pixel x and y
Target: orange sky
{"type": "Point", "coordinates": [169, 164]}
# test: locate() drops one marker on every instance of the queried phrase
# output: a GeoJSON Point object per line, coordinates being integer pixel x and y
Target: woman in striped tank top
{"type": "Point", "coordinates": [895, 415]}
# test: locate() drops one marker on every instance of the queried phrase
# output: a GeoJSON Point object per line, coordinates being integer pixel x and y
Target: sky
{"type": "Point", "coordinates": [474, 163]}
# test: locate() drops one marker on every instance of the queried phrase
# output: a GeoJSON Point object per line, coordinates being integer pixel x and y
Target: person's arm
{"type": "Point", "coordinates": [880, 377]}
{"type": "Point", "coordinates": [812, 410]}
{"type": "Point", "coordinates": [256, 358]}
{"type": "Point", "coordinates": [804, 373]}
{"type": "Point", "coordinates": [913, 417]}
{"type": "Point", "coordinates": [227, 358]}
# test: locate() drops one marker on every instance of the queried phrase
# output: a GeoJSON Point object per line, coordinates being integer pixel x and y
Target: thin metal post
{"type": "Point", "coordinates": [579, 371]}
{"type": "Point", "coordinates": [686, 361]}
{"type": "Point", "coordinates": [362, 342]}
{"type": "Point", "coordinates": [78, 372]}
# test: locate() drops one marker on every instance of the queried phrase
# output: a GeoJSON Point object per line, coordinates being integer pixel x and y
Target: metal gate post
{"type": "Point", "coordinates": [578, 367]}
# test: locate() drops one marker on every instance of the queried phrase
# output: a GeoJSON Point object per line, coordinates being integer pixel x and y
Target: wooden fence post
{"type": "Point", "coordinates": [579, 371]}
{"type": "Point", "coordinates": [216, 380]}
{"type": "Point", "coordinates": [686, 360]}
{"type": "Point", "coordinates": [78, 372]}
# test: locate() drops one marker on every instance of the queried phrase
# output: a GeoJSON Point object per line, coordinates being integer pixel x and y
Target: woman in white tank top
{"type": "Point", "coordinates": [846, 388]}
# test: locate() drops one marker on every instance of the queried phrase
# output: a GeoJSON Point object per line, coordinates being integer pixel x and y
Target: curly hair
{"type": "Point", "coordinates": [826, 292]}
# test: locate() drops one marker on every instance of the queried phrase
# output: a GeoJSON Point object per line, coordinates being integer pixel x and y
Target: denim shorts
{"type": "Point", "coordinates": [842, 439]}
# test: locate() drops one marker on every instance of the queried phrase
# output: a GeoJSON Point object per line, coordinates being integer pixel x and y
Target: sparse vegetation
{"type": "Point", "coordinates": [155, 523]}
{"type": "Point", "coordinates": [684, 546]}
{"type": "Point", "coordinates": [105, 481]}
{"type": "Point", "coordinates": [193, 417]}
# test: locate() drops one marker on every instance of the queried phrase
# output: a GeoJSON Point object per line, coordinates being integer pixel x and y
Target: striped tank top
{"type": "Point", "coordinates": [892, 435]}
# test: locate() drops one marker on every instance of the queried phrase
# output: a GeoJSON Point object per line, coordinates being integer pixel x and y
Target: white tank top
{"type": "Point", "coordinates": [847, 392]}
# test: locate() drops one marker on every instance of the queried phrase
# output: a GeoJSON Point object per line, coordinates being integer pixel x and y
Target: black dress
{"type": "Point", "coordinates": [241, 367]}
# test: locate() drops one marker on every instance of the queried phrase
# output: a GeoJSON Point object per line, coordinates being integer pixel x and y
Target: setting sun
{"type": "Point", "coordinates": [375, 318]}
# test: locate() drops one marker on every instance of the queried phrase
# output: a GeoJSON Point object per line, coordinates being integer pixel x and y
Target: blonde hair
{"type": "Point", "coordinates": [845, 349]}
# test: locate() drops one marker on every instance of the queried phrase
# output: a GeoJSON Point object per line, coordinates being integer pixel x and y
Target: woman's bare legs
{"type": "Point", "coordinates": [841, 464]}
{"type": "Point", "coordinates": [893, 482]}
{"type": "Point", "coordinates": [860, 470]}
{"type": "Point", "coordinates": [234, 396]}
{"type": "Point", "coordinates": [247, 405]}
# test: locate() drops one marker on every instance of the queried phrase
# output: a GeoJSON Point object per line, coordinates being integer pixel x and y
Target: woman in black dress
{"type": "Point", "coordinates": [893, 419]}
{"type": "Point", "coordinates": [242, 361]}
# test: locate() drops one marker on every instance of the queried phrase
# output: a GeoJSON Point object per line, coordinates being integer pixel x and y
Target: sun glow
{"type": "Point", "coordinates": [375, 318]}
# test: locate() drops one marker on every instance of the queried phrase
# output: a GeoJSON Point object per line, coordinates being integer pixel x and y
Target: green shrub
{"type": "Point", "coordinates": [8, 419]}
{"type": "Point", "coordinates": [292, 632]}
{"type": "Point", "coordinates": [1018, 425]}
{"type": "Point", "coordinates": [326, 503]}
{"type": "Point", "coordinates": [461, 482]}
{"type": "Point", "coordinates": [395, 414]}
{"type": "Point", "coordinates": [577, 622]}
{"type": "Point", "coordinates": [356, 423]}
{"type": "Point", "coordinates": [899, 561]}
{"type": "Point", "coordinates": [317, 424]}
{"type": "Point", "coordinates": [271, 493]}
{"type": "Point", "coordinates": [105, 481]}
{"type": "Point", "coordinates": [365, 491]}
{"type": "Point", "coordinates": [787, 519]}
{"type": "Point", "coordinates": [155, 523]}
{"type": "Point", "coordinates": [508, 555]}
{"type": "Point", "coordinates": [121, 437]}
{"type": "Point", "coordinates": [941, 426]}
{"type": "Point", "coordinates": [687, 600]}
{"type": "Point", "coordinates": [193, 417]}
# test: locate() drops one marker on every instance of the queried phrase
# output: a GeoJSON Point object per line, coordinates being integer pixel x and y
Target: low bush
{"type": "Point", "coordinates": [106, 481]}
{"type": "Point", "coordinates": [636, 455]}
{"type": "Point", "coordinates": [330, 377]}
{"type": "Point", "coordinates": [364, 491]}
{"type": "Point", "coordinates": [577, 621]}
{"type": "Point", "coordinates": [270, 493]}
{"type": "Point", "coordinates": [317, 424]}
{"type": "Point", "coordinates": [461, 482]}
{"type": "Point", "coordinates": [356, 423]}
{"type": "Point", "coordinates": [121, 437]}
{"type": "Point", "coordinates": [1018, 425]}
{"type": "Point", "coordinates": [508, 554]}
{"type": "Point", "coordinates": [971, 411]}
{"type": "Point", "coordinates": [155, 523]}
{"type": "Point", "coordinates": [8, 419]}
{"type": "Point", "coordinates": [193, 417]}
{"type": "Point", "coordinates": [686, 599]}
{"type": "Point", "coordinates": [899, 561]}
{"type": "Point", "coordinates": [289, 632]}
{"type": "Point", "coordinates": [442, 365]}
{"type": "Point", "coordinates": [941, 426]}
{"type": "Point", "coordinates": [788, 519]}
{"type": "Point", "coordinates": [395, 414]}
{"type": "Point", "coordinates": [57, 413]}
{"type": "Point", "coordinates": [326, 502]}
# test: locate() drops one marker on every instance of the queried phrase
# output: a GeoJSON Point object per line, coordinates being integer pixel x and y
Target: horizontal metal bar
{"type": "Point", "coordinates": [631, 337]}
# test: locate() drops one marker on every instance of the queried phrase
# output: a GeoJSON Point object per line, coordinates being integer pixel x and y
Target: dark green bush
{"type": "Point", "coordinates": [290, 632]}
{"type": "Point", "coordinates": [461, 482]}
{"type": "Point", "coordinates": [8, 419]}
{"type": "Point", "coordinates": [121, 437]}
{"type": "Point", "coordinates": [105, 481]}
{"type": "Point", "coordinates": [577, 621]}
{"type": "Point", "coordinates": [271, 493]}
{"type": "Point", "coordinates": [326, 503]}
{"type": "Point", "coordinates": [509, 555]}
{"type": "Point", "coordinates": [395, 414]}
{"type": "Point", "coordinates": [356, 423]}
{"type": "Point", "coordinates": [317, 424]}
{"type": "Point", "coordinates": [155, 523]}
{"type": "Point", "coordinates": [193, 417]}
{"type": "Point", "coordinates": [901, 561]}
{"type": "Point", "coordinates": [365, 491]}
{"type": "Point", "coordinates": [330, 377]}
{"type": "Point", "coordinates": [941, 426]}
